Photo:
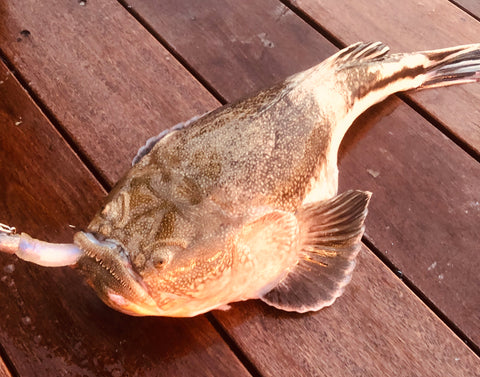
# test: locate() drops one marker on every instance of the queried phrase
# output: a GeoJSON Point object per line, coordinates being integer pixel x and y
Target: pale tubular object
{"type": "Point", "coordinates": [39, 252]}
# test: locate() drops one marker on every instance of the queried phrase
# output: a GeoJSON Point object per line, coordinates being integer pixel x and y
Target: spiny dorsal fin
{"type": "Point", "coordinates": [360, 51]}
{"type": "Point", "coordinates": [151, 142]}
{"type": "Point", "coordinates": [330, 234]}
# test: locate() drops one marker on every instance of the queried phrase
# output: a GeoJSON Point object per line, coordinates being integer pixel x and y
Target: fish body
{"type": "Point", "coordinates": [242, 202]}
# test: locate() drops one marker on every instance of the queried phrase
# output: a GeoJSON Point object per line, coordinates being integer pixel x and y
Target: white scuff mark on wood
{"type": "Point", "coordinates": [432, 266]}
{"type": "Point", "coordinates": [9, 268]}
{"type": "Point", "coordinates": [373, 173]}
{"type": "Point", "coordinates": [265, 41]}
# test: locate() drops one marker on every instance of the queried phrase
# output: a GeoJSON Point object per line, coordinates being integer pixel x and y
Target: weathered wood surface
{"type": "Point", "coordinates": [438, 254]}
{"type": "Point", "coordinates": [375, 329]}
{"type": "Point", "coordinates": [411, 25]}
{"type": "Point", "coordinates": [101, 74]}
{"type": "Point", "coordinates": [237, 46]}
{"type": "Point", "coordinates": [472, 6]}
{"type": "Point", "coordinates": [112, 80]}
{"type": "Point", "coordinates": [51, 323]}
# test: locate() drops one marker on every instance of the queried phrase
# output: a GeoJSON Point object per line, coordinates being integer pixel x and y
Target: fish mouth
{"type": "Point", "coordinates": [108, 269]}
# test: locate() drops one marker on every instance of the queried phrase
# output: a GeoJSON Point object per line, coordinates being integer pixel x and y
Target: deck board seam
{"type": "Point", "coordinates": [183, 62]}
{"type": "Point", "coordinates": [8, 362]}
{"type": "Point", "coordinates": [430, 118]}
{"type": "Point", "coordinates": [418, 292]}
{"type": "Point", "coordinates": [49, 115]}
{"type": "Point", "coordinates": [403, 97]}
{"type": "Point", "coordinates": [236, 349]}
{"type": "Point", "coordinates": [463, 9]}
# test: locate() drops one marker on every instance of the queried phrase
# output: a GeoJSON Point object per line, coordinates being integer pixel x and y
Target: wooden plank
{"type": "Point", "coordinates": [411, 25]}
{"type": "Point", "coordinates": [369, 342]}
{"type": "Point", "coordinates": [237, 46]}
{"type": "Point", "coordinates": [101, 73]}
{"type": "Point", "coordinates": [376, 329]}
{"type": "Point", "coordinates": [51, 322]}
{"type": "Point", "coordinates": [473, 6]}
{"type": "Point", "coordinates": [424, 213]}
{"type": "Point", "coordinates": [438, 231]}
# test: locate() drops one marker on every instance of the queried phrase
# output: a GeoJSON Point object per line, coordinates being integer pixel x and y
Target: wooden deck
{"type": "Point", "coordinates": [84, 83]}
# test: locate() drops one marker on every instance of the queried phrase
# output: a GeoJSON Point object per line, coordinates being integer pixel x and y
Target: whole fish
{"type": "Point", "coordinates": [242, 202]}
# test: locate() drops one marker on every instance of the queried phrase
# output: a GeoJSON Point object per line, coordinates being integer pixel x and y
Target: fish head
{"type": "Point", "coordinates": [145, 254]}
{"type": "Point", "coordinates": [176, 281]}
{"type": "Point", "coordinates": [108, 269]}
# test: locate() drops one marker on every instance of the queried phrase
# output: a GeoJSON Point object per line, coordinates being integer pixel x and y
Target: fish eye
{"type": "Point", "coordinates": [159, 263]}
{"type": "Point", "coordinates": [161, 257]}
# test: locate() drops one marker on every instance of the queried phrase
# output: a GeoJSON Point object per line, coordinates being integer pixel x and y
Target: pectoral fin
{"type": "Point", "coordinates": [329, 241]}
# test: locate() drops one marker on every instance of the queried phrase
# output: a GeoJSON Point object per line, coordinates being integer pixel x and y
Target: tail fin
{"type": "Point", "coordinates": [367, 74]}
{"type": "Point", "coordinates": [450, 66]}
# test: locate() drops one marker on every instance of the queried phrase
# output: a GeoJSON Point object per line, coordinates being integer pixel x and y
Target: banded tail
{"type": "Point", "coordinates": [406, 71]}
{"type": "Point", "coordinates": [365, 74]}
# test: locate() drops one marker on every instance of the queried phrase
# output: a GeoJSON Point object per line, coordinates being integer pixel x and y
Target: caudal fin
{"type": "Point", "coordinates": [366, 74]}
{"type": "Point", "coordinates": [451, 66]}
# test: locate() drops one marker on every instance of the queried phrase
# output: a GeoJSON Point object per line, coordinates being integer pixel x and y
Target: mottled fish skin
{"type": "Point", "coordinates": [194, 192]}
{"type": "Point", "coordinates": [187, 213]}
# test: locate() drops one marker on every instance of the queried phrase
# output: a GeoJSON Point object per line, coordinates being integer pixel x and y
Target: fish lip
{"type": "Point", "coordinates": [107, 267]}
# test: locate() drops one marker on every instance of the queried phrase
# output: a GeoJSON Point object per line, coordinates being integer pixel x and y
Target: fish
{"type": "Point", "coordinates": [242, 202]}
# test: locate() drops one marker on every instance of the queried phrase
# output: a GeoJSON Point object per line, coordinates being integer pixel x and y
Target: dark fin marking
{"type": "Point", "coordinates": [330, 239]}
{"type": "Point", "coordinates": [451, 66]}
{"type": "Point", "coordinates": [360, 51]}
{"type": "Point", "coordinates": [151, 142]}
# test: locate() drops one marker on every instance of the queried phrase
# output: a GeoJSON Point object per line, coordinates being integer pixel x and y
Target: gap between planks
{"type": "Point", "coordinates": [45, 110]}
{"type": "Point", "coordinates": [422, 296]}
{"type": "Point", "coordinates": [368, 243]}
{"type": "Point", "coordinates": [403, 96]}
{"type": "Point", "coordinates": [197, 75]}
{"type": "Point", "coordinates": [464, 8]}
{"type": "Point", "coordinates": [103, 181]}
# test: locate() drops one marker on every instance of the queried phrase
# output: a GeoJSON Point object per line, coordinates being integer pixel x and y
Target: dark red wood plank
{"type": "Point", "coordinates": [376, 329]}
{"type": "Point", "coordinates": [51, 323]}
{"type": "Point", "coordinates": [424, 213]}
{"type": "Point", "coordinates": [473, 6]}
{"type": "Point", "coordinates": [105, 78]}
{"type": "Point", "coordinates": [411, 25]}
{"type": "Point", "coordinates": [432, 230]}
{"type": "Point", "coordinates": [237, 46]}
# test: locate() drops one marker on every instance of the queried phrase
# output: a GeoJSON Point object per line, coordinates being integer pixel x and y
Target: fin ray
{"type": "Point", "coordinates": [326, 253]}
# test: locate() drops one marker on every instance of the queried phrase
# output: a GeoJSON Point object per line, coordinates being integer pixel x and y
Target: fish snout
{"type": "Point", "coordinates": [108, 269]}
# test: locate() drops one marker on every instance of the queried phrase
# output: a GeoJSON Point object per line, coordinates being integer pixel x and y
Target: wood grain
{"type": "Point", "coordinates": [473, 6]}
{"type": "Point", "coordinates": [106, 79]}
{"type": "Point", "coordinates": [237, 46]}
{"type": "Point", "coordinates": [52, 324]}
{"type": "Point", "coordinates": [424, 213]}
{"type": "Point", "coordinates": [376, 328]}
{"type": "Point", "coordinates": [414, 231]}
{"type": "Point", "coordinates": [411, 25]}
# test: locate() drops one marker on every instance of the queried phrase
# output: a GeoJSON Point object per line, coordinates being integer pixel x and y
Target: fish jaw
{"type": "Point", "coordinates": [109, 271]}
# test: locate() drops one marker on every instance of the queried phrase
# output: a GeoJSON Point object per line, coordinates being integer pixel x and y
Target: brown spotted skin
{"type": "Point", "coordinates": [209, 215]}
{"type": "Point", "coordinates": [189, 197]}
